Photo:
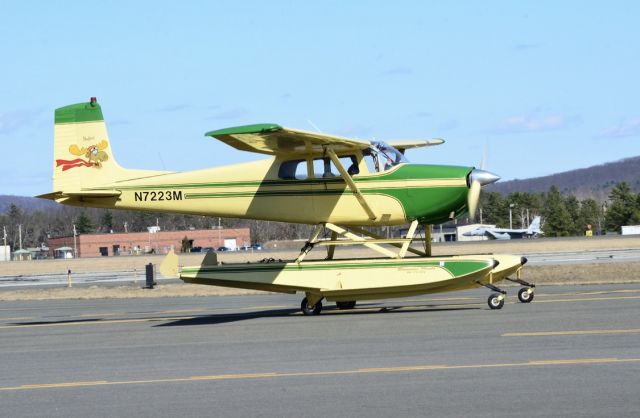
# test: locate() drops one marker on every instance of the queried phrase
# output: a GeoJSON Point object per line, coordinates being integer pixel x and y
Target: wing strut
{"type": "Point", "coordinates": [352, 185]}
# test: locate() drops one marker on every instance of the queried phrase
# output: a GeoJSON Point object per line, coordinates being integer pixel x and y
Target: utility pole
{"type": "Point", "coordinates": [511, 205]}
{"type": "Point", "coordinates": [20, 235]}
{"type": "Point", "coordinates": [220, 244]}
{"type": "Point", "coordinates": [75, 243]}
{"type": "Point", "coordinates": [4, 237]}
{"type": "Point", "coordinates": [481, 223]}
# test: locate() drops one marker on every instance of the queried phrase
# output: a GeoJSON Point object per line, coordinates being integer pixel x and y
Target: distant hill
{"type": "Point", "coordinates": [593, 182]}
{"type": "Point", "coordinates": [29, 204]}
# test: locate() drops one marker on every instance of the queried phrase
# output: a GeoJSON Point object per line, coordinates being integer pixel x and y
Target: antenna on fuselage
{"type": "Point", "coordinates": [314, 126]}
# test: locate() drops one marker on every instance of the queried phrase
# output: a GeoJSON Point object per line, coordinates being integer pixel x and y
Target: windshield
{"type": "Point", "coordinates": [384, 155]}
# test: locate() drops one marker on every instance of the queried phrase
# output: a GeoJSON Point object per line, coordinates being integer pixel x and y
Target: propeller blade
{"type": "Point", "coordinates": [473, 198]}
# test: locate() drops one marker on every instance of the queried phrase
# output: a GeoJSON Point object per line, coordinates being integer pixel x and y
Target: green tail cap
{"type": "Point", "coordinates": [80, 112]}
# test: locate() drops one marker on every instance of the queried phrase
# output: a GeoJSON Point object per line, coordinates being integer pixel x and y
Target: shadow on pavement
{"type": "Point", "coordinates": [326, 313]}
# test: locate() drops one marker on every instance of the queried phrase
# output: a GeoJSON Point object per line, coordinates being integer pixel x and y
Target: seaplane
{"type": "Point", "coordinates": [339, 185]}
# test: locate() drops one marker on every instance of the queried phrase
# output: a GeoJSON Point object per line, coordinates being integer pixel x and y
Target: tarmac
{"type": "Point", "coordinates": [573, 351]}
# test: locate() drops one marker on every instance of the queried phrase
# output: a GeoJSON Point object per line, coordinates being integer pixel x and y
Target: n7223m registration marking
{"type": "Point", "coordinates": [157, 196]}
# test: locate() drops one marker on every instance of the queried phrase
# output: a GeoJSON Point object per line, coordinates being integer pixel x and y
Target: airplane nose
{"type": "Point", "coordinates": [483, 177]}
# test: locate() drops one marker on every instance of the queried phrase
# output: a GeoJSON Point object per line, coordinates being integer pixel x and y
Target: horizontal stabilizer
{"type": "Point", "coordinates": [86, 193]}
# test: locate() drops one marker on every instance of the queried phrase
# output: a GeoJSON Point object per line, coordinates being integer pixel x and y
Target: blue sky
{"type": "Point", "coordinates": [544, 86]}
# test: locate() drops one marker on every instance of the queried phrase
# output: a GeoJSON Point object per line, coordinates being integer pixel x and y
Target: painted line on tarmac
{"type": "Point", "coordinates": [597, 292]}
{"type": "Point", "coordinates": [586, 299]}
{"type": "Point", "coordinates": [575, 332]}
{"type": "Point", "coordinates": [17, 318]}
{"type": "Point", "coordinates": [364, 371]}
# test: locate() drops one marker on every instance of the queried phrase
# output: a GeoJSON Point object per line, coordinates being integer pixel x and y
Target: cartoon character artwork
{"type": "Point", "coordinates": [94, 155]}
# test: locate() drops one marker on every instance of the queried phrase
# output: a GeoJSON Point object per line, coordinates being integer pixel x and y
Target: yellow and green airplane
{"type": "Point", "coordinates": [341, 184]}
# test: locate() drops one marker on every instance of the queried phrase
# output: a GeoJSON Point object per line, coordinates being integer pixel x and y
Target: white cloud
{"type": "Point", "coordinates": [623, 129]}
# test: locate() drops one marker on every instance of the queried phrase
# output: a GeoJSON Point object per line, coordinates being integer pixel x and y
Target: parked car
{"type": "Point", "coordinates": [207, 249]}
{"type": "Point", "coordinates": [255, 246]}
{"type": "Point", "coordinates": [224, 249]}
{"type": "Point", "coordinates": [196, 249]}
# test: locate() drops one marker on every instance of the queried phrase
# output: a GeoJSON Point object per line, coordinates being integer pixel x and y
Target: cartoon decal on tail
{"type": "Point", "coordinates": [94, 155]}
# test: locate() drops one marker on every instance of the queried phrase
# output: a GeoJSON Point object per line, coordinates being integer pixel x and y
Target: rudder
{"type": "Point", "coordinates": [82, 155]}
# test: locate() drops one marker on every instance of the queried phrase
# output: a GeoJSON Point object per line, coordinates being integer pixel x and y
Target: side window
{"type": "Point", "coordinates": [350, 163]}
{"type": "Point", "coordinates": [372, 163]}
{"type": "Point", "coordinates": [324, 167]}
{"type": "Point", "coordinates": [293, 170]}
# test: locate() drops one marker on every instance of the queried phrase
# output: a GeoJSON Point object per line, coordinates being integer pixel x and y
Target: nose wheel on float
{"type": "Point", "coordinates": [496, 300]}
{"type": "Point", "coordinates": [525, 294]}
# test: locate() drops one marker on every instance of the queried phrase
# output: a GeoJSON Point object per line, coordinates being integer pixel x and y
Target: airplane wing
{"type": "Point", "coordinates": [491, 234]}
{"type": "Point", "coordinates": [273, 139]}
{"type": "Point", "coordinates": [402, 145]}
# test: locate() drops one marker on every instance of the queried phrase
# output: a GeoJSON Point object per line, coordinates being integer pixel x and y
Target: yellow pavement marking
{"type": "Point", "coordinates": [575, 332]}
{"type": "Point", "coordinates": [180, 311]}
{"type": "Point", "coordinates": [586, 299]}
{"type": "Point", "coordinates": [268, 375]}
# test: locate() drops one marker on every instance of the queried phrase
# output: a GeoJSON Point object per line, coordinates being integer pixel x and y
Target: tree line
{"type": "Point", "coordinates": [563, 215]}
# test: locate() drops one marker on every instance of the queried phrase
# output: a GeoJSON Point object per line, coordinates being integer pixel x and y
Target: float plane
{"type": "Point", "coordinates": [338, 184]}
{"type": "Point", "coordinates": [505, 233]}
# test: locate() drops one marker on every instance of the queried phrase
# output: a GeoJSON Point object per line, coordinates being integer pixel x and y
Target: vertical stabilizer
{"type": "Point", "coordinates": [82, 154]}
{"type": "Point", "coordinates": [534, 228]}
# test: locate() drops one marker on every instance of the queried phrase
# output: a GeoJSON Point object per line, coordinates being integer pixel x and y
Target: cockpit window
{"type": "Point", "coordinates": [382, 156]}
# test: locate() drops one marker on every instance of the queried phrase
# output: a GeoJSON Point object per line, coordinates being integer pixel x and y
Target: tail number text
{"type": "Point", "coordinates": [157, 196]}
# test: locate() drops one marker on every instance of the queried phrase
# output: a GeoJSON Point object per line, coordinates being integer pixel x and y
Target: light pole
{"type": "Point", "coordinates": [75, 244]}
{"type": "Point", "coordinates": [4, 237]}
{"type": "Point", "coordinates": [511, 206]}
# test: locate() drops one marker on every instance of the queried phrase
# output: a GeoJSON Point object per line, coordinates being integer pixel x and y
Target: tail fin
{"type": "Point", "coordinates": [534, 228]}
{"type": "Point", "coordinates": [82, 154]}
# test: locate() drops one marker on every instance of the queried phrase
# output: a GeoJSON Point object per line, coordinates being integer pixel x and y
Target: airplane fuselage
{"type": "Point", "coordinates": [428, 193]}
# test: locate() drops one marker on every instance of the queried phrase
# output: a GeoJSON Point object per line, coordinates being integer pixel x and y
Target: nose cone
{"type": "Point", "coordinates": [483, 177]}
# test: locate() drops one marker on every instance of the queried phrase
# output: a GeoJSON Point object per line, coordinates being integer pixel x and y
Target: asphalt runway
{"type": "Point", "coordinates": [574, 351]}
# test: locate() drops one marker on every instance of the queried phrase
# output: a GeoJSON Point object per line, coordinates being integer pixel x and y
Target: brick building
{"type": "Point", "coordinates": [161, 242]}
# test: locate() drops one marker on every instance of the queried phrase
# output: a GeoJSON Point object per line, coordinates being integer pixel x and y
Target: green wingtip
{"type": "Point", "coordinates": [246, 129]}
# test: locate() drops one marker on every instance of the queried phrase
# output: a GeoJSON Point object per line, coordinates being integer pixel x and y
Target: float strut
{"type": "Point", "coordinates": [520, 281]}
{"type": "Point", "coordinates": [492, 287]}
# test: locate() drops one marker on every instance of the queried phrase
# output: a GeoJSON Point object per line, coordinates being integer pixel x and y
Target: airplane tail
{"type": "Point", "coordinates": [534, 228]}
{"type": "Point", "coordinates": [82, 154]}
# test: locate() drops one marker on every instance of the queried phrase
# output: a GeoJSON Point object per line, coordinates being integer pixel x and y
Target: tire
{"type": "Point", "coordinates": [310, 310]}
{"type": "Point", "coordinates": [524, 296]}
{"type": "Point", "coordinates": [346, 305]}
{"type": "Point", "coordinates": [495, 302]}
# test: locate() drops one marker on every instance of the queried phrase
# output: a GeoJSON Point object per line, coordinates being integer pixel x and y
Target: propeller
{"type": "Point", "coordinates": [477, 179]}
